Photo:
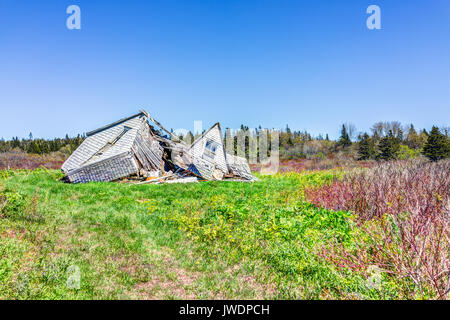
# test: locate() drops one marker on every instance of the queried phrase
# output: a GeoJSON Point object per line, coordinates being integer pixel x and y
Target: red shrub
{"type": "Point", "coordinates": [300, 165]}
{"type": "Point", "coordinates": [404, 208]}
{"type": "Point", "coordinates": [22, 160]}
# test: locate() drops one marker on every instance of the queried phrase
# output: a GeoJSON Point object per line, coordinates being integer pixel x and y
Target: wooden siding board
{"type": "Point", "coordinates": [197, 150]}
{"type": "Point", "coordinates": [203, 167]}
{"type": "Point", "coordinates": [110, 169]}
{"type": "Point", "coordinates": [239, 167]}
{"type": "Point", "coordinates": [113, 124]}
{"type": "Point", "coordinates": [147, 150]}
{"type": "Point", "coordinates": [91, 145]}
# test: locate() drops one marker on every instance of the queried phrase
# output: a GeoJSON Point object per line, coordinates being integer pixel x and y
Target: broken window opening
{"type": "Point", "coordinates": [210, 150]}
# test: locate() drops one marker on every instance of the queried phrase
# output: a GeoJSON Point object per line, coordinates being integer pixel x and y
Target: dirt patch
{"type": "Point", "coordinates": [160, 289]}
{"type": "Point", "coordinates": [167, 278]}
{"type": "Point", "coordinates": [246, 282]}
{"type": "Point", "coordinates": [13, 234]}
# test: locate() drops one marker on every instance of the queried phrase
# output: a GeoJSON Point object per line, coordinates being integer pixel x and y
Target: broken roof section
{"type": "Point", "coordinates": [131, 147]}
{"type": "Point", "coordinates": [208, 154]}
{"type": "Point", "coordinates": [115, 151]}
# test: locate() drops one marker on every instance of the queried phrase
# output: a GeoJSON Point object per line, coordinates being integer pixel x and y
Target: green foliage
{"type": "Point", "coordinates": [437, 146]}
{"type": "Point", "coordinates": [293, 144]}
{"type": "Point", "coordinates": [33, 147]}
{"type": "Point", "coordinates": [413, 140]}
{"type": "Point", "coordinates": [41, 146]}
{"type": "Point", "coordinates": [11, 203]}
{"type": "Point", "coordinates": [145, 241]}
{"type": "Point", "coordinates": [17, 206]}
{"type": "Point", "coordinates": [405, 153]}
{"type": "Point", "coordinates": [344, 140]}
{"type": "Point", "coordinates": [319, 156]}
{"type": "Point", "coordinates": [388, 147]}
{"type": "Point", "coordinates": [366, 148]}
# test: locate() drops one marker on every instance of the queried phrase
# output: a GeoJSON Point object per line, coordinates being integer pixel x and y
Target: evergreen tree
{"type": "Point", "coordinates": [412, 139]}
{"type": "Point", "coordinates": [288, 130]}
{"type": "Point", "coordinates": [375, 137]}
{"type": "Point", "coordinates": [3, 145]}
{"type": "Point", "coordinates": [400, 136]}
{"type": "Point", "coordinates": [190, 137]}
{"type": "Point", "coordinates": [344, 140]}
{"type": "Point", "coordinates": [388, 147]}
{"type": "Point", "coordinates": [290, 142]}
{"type": "Point", "coordinates": [423, 137]}
{"type": "Point", "coordinates": [33, 147]}
{"type": "Point", "coordinates": [15, 143]}
{"type": "Point", "coordinates": [366, 148]}
{"type": "Point", "coordinates": [437, 146]}
{"type": "Point", "coordinates": [43, 147]}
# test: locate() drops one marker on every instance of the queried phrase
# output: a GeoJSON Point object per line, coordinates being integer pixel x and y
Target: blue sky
{"type": "Point", "coordinates": [310, 64]}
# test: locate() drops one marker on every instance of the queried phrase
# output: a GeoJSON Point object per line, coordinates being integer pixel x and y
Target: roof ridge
{"type": "Point", "coordinates": [91, 133]}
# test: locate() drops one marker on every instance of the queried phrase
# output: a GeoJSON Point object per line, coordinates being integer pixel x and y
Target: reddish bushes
{"type": "Point", "coordinates": [389, 188]}
{"type": "Point", "coordinates": [403, 210]}
{"type": "Point", "coordinates": [22, 160]}
{"type": "Point", "coordinates": [300, 165]}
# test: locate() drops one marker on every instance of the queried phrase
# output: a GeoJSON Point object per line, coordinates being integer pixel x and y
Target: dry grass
{"type": "Point", "coordinates": [22, 160]}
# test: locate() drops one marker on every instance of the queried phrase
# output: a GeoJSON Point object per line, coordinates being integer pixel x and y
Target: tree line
{"type": "Point", "coordinates": [389, 142]}
{"type": "Point", "coordinates": [386, 141]}
{"type": "Point", "coordinates": [42, 146]}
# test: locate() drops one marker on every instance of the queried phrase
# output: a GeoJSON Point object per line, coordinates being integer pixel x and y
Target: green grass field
{"type": "Point", "coordinates": [211, 240]}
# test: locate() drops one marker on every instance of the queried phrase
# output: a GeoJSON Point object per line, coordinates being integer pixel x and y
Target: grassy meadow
{"type": "Point", "coordinates": [209, 240]}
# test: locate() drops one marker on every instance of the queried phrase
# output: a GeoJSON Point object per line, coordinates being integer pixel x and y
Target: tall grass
{"type": "Point", "coordinates": [403, 212]}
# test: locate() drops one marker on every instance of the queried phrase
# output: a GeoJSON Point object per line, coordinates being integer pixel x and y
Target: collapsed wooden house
{"type": "Point", "coordinates": [133, 147]}
{"type": "Point", "coordinates": [115, 151]}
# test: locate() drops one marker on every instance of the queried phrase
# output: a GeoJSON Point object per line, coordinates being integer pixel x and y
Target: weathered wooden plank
{"type": "Point", "coordinates": [113, 168]}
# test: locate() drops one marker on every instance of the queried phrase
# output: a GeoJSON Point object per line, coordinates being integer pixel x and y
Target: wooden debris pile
{"type": "Point", "coordinates": [133, 150]}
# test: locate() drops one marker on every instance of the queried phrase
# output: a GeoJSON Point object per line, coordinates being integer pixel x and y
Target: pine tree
{"type": "Point", "coordinates": [412, 139]}
{"type": "Point", "coordinates": [366, 148]}
{"type": "Point", "coordinates": [375, 137]}
{"type": "Point", "coordinates": [190, 137]}
{"type": "Point", "coordinates": [15, 143]}
{"type": "Point", "coordinates": [437, 146]}
{"type": "Point", "coordinates": [43, 147]}
{"type": "Point", "coordinates": [33, 147]}
{"type": "Point", "coordinates": [288, 130]}
{"type": "Point", "coordinates": [388, 147]}
{"type": "Point", "coordinates": [344, 140]}
{"type": "Point", "coordinates": [400, 136]}
{"type": "Point", "coordinates": [290, 142]}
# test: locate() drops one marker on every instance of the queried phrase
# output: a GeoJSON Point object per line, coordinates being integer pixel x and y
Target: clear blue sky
{"type": "Point", "coordinates": [310, 64]}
